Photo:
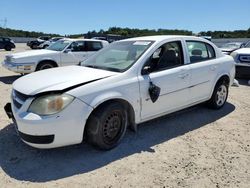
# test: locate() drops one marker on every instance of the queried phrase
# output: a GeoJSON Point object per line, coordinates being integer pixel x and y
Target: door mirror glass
{"type": "Point", "coordinates": [146, 70]}
{"type": "Point", "coordinates": [156, 54]}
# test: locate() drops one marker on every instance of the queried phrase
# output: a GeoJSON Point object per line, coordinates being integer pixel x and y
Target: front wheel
{"type": "Point", "coordinates": [107, 126]}
{"type": "Point", "coordinates": [44, 65]}
{"type": "Point", "coordinates": [219, 96]}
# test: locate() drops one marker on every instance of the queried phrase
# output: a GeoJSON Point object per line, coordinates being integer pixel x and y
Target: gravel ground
{"type": "Point", "coordinates": [197, 147]}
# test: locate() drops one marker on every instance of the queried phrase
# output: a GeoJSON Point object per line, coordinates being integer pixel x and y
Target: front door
{"type": "Point", "coordinates": [74, 54]}
{"type": "Point", "coordinates": [169, 73]}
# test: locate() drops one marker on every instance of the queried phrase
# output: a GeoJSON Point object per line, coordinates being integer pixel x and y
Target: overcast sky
{"type": "Point", "coordinates": [77, 16]}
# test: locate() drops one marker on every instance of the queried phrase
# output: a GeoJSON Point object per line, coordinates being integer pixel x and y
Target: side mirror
{"type": "Point", "coordinates": [146, 70]}
{"type": "Point", "coordinates": [67, 51]}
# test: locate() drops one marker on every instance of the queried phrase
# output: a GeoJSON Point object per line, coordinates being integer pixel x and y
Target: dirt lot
{"type": "Point", "coordinates": [197, 147]}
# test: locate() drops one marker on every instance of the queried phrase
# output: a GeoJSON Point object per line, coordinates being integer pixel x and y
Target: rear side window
{"type": "Point", "coordinates": [93, 46]}
{"type": "Point", "coordinates": [200, 51]}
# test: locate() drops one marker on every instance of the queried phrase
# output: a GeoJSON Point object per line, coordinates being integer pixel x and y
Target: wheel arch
{"type": "Point", "coordinates": [47, 60]}
{"type": "Point", "coordinates": [125, 103]}
{"type": "Point", "coordinates": [219, 78]}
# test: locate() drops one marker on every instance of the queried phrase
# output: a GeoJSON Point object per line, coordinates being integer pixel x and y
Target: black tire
{"type": "Point", "coordinates": [33, 46]}
{"type": "Point", "coordinates": [219, 96]}
{"type": "Point", "coordinates": [7, 48]}
{"type": "Point", "coordinates": [44, 65]}
{"type": "Point", "coordinates": [107, 126]}
{"type": "Point", "coordinates": [45, 46]}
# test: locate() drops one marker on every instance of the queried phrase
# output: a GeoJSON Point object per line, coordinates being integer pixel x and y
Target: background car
{"type": "Point", "coordinates": [6, 43]}
{"type": "Point", "coordinates": [34, 44]}
{"type": "Point", "coordinates": [46, 43]}
{"type": "Point", "coordinates": [242, 59]}
{"type": "Point", "coordinates": [228, 48]}
{"type": "Point", "coordinates": [62, 53]}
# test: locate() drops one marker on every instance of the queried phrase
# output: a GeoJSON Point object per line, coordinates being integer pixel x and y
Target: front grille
{"type": "Point", "coordinates": [18, 98]}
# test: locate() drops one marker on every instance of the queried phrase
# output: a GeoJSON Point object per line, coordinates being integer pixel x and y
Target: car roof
{"type": "Point", "coordinates": [85, 40]}
{"type": "Point", "coordinates": [163, 37]}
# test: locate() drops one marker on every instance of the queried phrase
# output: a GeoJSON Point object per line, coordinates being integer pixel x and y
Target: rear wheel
{"type": "Point", "coordinates": [44, 65]}
{"type": "Point", "coordinates": [107, 126]}
{"type": "Point", "coordinates": [7, 48]}
{"type": "Point", "coordinates": [34, 46]}
{"type": "Point", "coordinates": [219, 96]}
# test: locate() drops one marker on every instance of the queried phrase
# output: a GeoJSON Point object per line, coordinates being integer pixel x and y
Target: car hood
{"type": "Point", "coordinates": [227, 49]}
{"type": "Point", "coordinates": [32, 53]}
{"type": "Point", "coordinates": [59, 79]}
{"type": "Point", "coordinates": [243, 51]}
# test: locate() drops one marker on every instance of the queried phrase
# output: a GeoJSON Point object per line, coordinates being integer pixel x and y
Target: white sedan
{"type": "Point", "coordinates": [61, 53]}
{"type": "Point", "coordinates": [124, 84]}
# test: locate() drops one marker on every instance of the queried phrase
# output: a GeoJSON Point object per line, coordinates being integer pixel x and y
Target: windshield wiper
{"type": "Point", "coordinates": [91, 66]}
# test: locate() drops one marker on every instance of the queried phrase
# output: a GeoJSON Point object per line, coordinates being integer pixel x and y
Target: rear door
{"type": "Point", "coordinates": [203, 65]}
{"type": "Point", "coordinates": [92, 47]}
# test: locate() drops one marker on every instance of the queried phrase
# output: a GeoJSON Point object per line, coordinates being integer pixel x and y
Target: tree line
{"type": "Point", "coordinates": [128, 32]}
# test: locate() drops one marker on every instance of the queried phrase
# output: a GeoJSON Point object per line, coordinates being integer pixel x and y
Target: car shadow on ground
{"type": "Point", "coordinates": [244, 82]}
{"type": "Point", "coordinates": [22, 162]}
{"type": "Point", "coordinates": [9, 79]}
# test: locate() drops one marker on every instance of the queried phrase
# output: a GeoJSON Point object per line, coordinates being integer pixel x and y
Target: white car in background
{"type": "Point", "coordinates": [228, 48]}
{"type": "Point", "coordinates": [45, 44]}
{"type": "Point", "coordinates": [62, 53]}
{"type": "Point", "coordinates": [242, 59]}
{"type": "Point", "coordinates": [127, 83]}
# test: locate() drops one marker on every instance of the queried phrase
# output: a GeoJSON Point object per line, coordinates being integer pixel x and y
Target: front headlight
{"type": "Point", "coordinates": [244, 58]}
{"type": "Point", "coordinates": [50, 104]}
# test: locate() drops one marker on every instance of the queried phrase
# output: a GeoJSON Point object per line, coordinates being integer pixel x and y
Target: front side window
{"type": "Point", "coordinates": [78, 46]}
{"type": "Point", "coordinates": [118, 56]}
{"type": "Point", "coordinates": [200, 51]}
{"type": "Point", "coordinates": [167, 56]}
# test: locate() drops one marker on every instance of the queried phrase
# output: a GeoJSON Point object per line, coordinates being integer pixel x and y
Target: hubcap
{"type": "Point", "coordinates": [221, 95]}
{"type": "Point", "coordinates": [46, 66]}
{"type": "Point", "coordinates": [112, 126]}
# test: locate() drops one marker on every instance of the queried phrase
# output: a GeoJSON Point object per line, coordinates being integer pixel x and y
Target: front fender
{"type": "Point", "coordinates": [116, 95]}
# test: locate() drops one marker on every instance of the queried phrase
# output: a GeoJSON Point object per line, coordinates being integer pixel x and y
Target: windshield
{"type": "Point", "coordinates": [232, 45]}
{"type": "Point", "coordinates": [247, 45]}
{"type": "Point", "coordinates": [118, 56]}
{"type": "Point", "coordinates": [59, 45]}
